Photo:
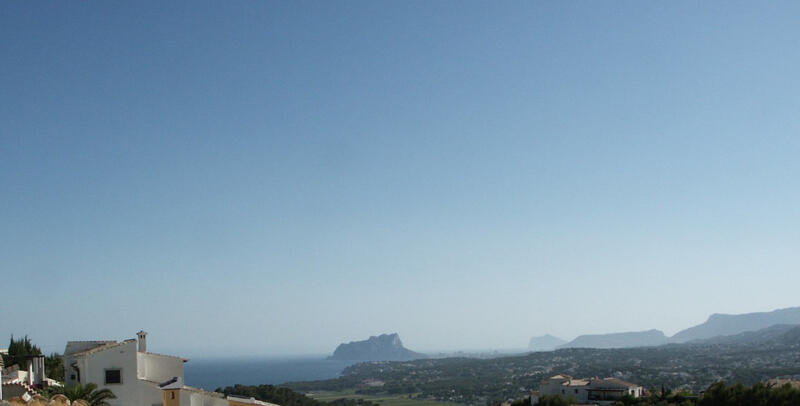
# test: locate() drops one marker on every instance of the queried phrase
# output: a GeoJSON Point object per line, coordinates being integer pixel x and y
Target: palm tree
{"type": "Point", "coordinates": [89, 393]}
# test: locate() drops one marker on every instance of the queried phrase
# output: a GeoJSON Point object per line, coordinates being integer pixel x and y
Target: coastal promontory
{"type": "Point", "coordinates": [385, 347]}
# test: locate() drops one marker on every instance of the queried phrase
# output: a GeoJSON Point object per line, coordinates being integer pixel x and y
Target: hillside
{"type": "Point", "coordinates": [779, 334]}
{"type": "Point", "coordinates": [285, 396]}
{"type": "Point", "coordinates": [545, 343]}
{"type": "Point", "coordinates": [385, 347]}
{"type": "Point", "coordinates": [730, 324]}
{"type": "Point", "coordinates": [619, 340]}
{"type": "Point", "coordinates": [692, 366]}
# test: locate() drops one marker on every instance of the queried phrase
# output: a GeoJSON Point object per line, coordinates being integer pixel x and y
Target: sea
{"type": "Point", "coordinates": [211, 374]}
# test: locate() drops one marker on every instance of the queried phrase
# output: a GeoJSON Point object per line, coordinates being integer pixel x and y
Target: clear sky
{"type": "Point", "coordinates": [278, 177]}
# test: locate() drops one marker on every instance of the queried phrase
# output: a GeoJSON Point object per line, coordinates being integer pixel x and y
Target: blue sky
{"type": "Point", "coordinates": [278, 177]}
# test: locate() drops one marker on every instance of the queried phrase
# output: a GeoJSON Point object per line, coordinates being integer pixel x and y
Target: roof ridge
{"type": "Point", "coordinates": [105, 346]}
{"type": "Point", "coordinates": [166, 355]}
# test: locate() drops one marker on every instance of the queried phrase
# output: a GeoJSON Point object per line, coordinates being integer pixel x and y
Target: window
{"type": "Point", "coordinates": [172, 395]}
{"type": "Point", "coordinates": [113, 376]}
{"type": "Point", "coordinates": [576, 391]}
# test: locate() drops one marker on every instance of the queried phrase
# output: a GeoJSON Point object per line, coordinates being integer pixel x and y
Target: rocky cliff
{"type": "Point", "coordinates": [385, 347]}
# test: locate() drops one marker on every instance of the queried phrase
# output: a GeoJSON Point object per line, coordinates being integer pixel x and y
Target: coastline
{"type": "Point", "coordinates": [213, 373]}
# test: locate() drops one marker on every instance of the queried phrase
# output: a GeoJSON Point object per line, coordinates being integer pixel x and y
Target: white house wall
{"type": "Point", "coordinates": [69, 371]}
{"type": "Point", "coordinates": [192, 398]}
{"type": "Point", "coordinates": [553, 387]}
{"type": "Point", "coordinates": [158, 368]}
{"type": "Point", "coordinates": [149, 395]}
{"type": "Point", "coordinates": [122, 357]}
{"type": "Point", "coordinates": [132, 391]}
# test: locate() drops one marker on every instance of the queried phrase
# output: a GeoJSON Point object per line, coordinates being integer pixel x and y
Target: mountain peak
{"type": "Point", "coordinates": [546, 342]}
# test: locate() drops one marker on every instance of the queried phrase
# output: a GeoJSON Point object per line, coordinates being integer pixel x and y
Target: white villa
{"type": "Point", "coordinates": [600, 391]}
{"type": "Point", "coordinates": [137, 377]}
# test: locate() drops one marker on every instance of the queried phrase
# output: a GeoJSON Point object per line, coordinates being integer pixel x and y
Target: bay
{"type": "Point", "coordinates": [211, 374]}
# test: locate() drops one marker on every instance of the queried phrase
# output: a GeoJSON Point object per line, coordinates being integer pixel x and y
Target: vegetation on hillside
{"type": "Point", "coordinates": [54, 367]}
{"type": "Point", "coordinates": [719, 394]}
{"type": "Point", "coordinates": [19, 350]}
{"type": "Point", "coordinates": [286, 396]}
{"type": "Point", "coordinates": [555, 401]}
{"type": "Point", "coordinates": [687, 367]}
{"type": "Point", "coordinates": [88, 392]}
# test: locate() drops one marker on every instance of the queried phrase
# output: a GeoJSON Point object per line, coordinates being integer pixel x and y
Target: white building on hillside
{"type": "Point", "coordinates": [127, 369]}
{"type": "Point", "coordinates": [601, 391]}
{"type": "Point", "coordinates": [243, 401]}
{"type": "Point", "coordinates": [175, 393]}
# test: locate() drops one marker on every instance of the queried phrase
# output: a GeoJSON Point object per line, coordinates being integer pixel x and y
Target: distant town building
{"type": "Point", "coordinates": [779, 382]}
{"type": "Point", "coordinates": [600, 391]}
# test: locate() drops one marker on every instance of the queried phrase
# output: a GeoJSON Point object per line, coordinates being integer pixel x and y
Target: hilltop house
{"type": "Point", "coordinates": [137, 377]}
{"type": "Point", "coordinates": [601, 391]}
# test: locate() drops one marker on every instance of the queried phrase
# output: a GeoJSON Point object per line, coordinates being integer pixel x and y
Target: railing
{"type": "Point", "coordinates": [606, 395]}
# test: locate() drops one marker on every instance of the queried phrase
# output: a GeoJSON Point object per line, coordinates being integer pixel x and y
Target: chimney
{"type": "Point", "coordinates": [38, 370]}
{"type": "Point", "coordinates": [142, 335]}
{"type": "Point", "coordinates": [30, 372]}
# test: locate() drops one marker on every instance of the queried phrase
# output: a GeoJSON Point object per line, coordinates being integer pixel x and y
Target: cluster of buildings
{"type": "Point", "coordinates": [21, 381]}
{"type": "Point", "coordinates": [136, 376]}
{"type": "Point", "coordinates": [593, 391]}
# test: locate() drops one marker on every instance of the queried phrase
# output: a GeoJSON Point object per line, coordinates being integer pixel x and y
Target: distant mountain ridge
{"type": "Point", "coordinates": [779, 334]}
{"type": "Point", "coordinates": [385, 347]}
{"type": "Point", "coordinates": [718, 329]}
{"type": "Point", "coordinates": [545, 343]}
{"type": "Point", "coordinates": [730, 324]}
{"type": "Point", "coordinates": [647, 338]}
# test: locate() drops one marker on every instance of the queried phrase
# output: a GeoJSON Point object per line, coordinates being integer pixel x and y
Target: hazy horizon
{"type": "Point", "coordinates": [268, 178]}
{"type": "Point", "coordinates": [193, 351]}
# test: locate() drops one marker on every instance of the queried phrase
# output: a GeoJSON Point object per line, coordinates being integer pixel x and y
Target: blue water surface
{"type": "Point", "coordinates": [210, 374]}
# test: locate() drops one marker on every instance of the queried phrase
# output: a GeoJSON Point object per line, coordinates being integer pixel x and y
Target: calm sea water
{"type": "Point", "coordinates": [210, 374]}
